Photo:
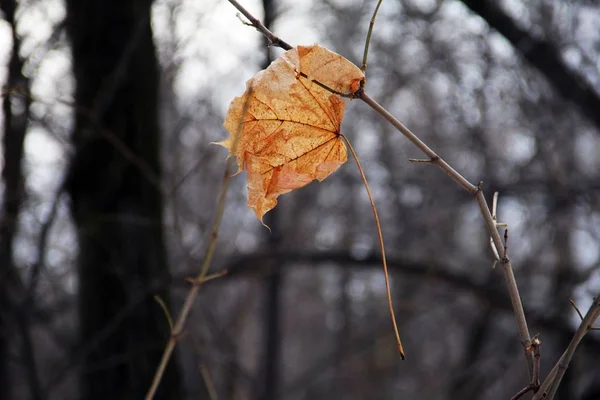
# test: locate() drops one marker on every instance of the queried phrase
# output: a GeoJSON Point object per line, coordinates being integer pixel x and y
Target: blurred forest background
{"type": "Point", "coordinates": [109, 188]}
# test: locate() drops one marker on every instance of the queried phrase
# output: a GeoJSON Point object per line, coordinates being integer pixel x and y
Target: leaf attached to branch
{"type": "Point", "coordinates": [291, 131]}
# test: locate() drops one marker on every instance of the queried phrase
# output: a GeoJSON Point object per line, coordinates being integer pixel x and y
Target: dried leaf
{"type": "Point", "coordinates": [291, 132]}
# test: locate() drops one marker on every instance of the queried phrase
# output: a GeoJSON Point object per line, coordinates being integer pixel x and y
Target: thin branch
{"type": "Point", "coordinates": [435, 159]}
{"type": "Point", "coordinates": [255, 22]}
{"type": "Point", "coordinates": [210, 386]}
{"type": "Point", "coordinates": [511, 283]}
{"type": "Point", "coordinates": [522, 392]}
{"type": "Point", "coordinates": [420, 160]}
{"type": "Point", "coordinates": [495, 206]}
{"type": "Point", "coordinates": [208, 256]}
{"type": "Point", "coordinates": [166, 311]}
{"type": "Point", "coordinates": [276, 41]}
{"type": "Point", "coordinates": [203, 280]}
{"type": "Point", "coordinates": [368, 39]}
{"type": "Point", "coordinates": [576, 309]}
{"type": "Point", "coordinates": [552, 382]}
{"type": "Point", "coordinates": [457, 177]}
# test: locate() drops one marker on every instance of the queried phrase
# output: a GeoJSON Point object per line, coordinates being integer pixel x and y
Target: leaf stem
{"type": "Point", "coordinates": [383, 258]}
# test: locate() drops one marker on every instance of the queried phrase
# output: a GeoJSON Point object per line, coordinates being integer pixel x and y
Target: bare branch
{"type": "Point", "coordinates": [434, 158]}
{"type": "Point", "coordinates": [490, 222]}
{"type": "Point", "coordinates": [550, 385]}
{"type": "Point", "coordinates": [208, 256]}
{"type": "Point", "coordinates": [255, 22]}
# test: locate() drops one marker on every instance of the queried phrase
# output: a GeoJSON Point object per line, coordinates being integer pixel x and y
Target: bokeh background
{"type": "Point", "coordinates": [109, 189]}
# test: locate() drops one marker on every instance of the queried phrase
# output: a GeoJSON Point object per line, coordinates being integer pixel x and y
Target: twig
{"type": "Point", "coordinates": [363, 68]}
{"type": "Point", "coordinates": [552, 381]}
{"type": "Point", "coordinates": [210, 386]}
{"type": "Point", "coordinates": [255, 22]}
{"type": "Point", "coordinates": [166, 311]}
{"type": "Point", "coordinates": [420, 160]}
{"type": "Point", "coordinates": [498, 224]}
{"type": "Point", "coordinates": [193, 292]}
{"type": "Point", "coordinates": [576, 309]}
{"type": "Point", "coordinates": [522, 392]}
{"type": "Point", "coordinates": [203, 280]}
{"type": "Point", "coordinates": [435, 159]}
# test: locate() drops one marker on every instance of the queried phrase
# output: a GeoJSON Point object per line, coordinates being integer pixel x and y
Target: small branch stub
{"type": "Point", "coordinates": [201, 281]}
{"type": "Point", "coordinates": [422, 160]}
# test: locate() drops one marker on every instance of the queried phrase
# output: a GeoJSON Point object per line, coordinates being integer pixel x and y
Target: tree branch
{"type": "Point", "coordinates": [457, 177]}
{"type": "Point", "coordinates": [553, 379]}
{"type": "Point", "coordinates": [543, 56]}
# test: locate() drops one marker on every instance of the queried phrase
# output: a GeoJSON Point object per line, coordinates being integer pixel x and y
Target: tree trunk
{"type": "Point", "coordinates": [14, 317]}
{"type": "Point", "coordinates": [114, 185]}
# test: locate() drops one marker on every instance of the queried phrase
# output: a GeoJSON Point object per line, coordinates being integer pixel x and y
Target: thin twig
{"type": "Point", "coordinates": [276, 41]}
{"type": "Point", "coordinates": [435, 159]}
{"type": "Point", "coordinates": [551, 383]}
{"type": "Point", "coordinates": [166, 311]}
{"type": "Point", "coordinates": [522, 392]}
{"type": "Point", "coordinates": [495, 206]}
{"type": "Point", "coordinates": [384, 261]}
{"type": "Point", "coordinates": [420, 160]}
{"type": "Point", "coordinates": [203, 280]}
{"type": "Point", "coordinates": [193, 292]}
{"type": "Point", "coordinates": [210, 386]}
{"type": "Point", "coordinates": [255, 22]}
{"type": "Point", "coordinates": [363, 68]}
{"type": "Point", "coordinates": [576, 309]}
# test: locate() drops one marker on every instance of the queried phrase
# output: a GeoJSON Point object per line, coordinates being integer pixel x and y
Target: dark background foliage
{"type": "Point", "coordinates": [109, 189]}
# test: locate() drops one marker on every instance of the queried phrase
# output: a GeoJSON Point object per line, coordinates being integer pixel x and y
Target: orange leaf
{"type": "Point", "coordinates": [290, 134]}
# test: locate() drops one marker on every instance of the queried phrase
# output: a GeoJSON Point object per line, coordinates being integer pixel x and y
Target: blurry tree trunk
{"type": "Point", "coordinates": [14, 319]}
{"type": "Point", "coordinates": [542, 55]}
{"type": "Point", "coordinates": [116, 202]}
